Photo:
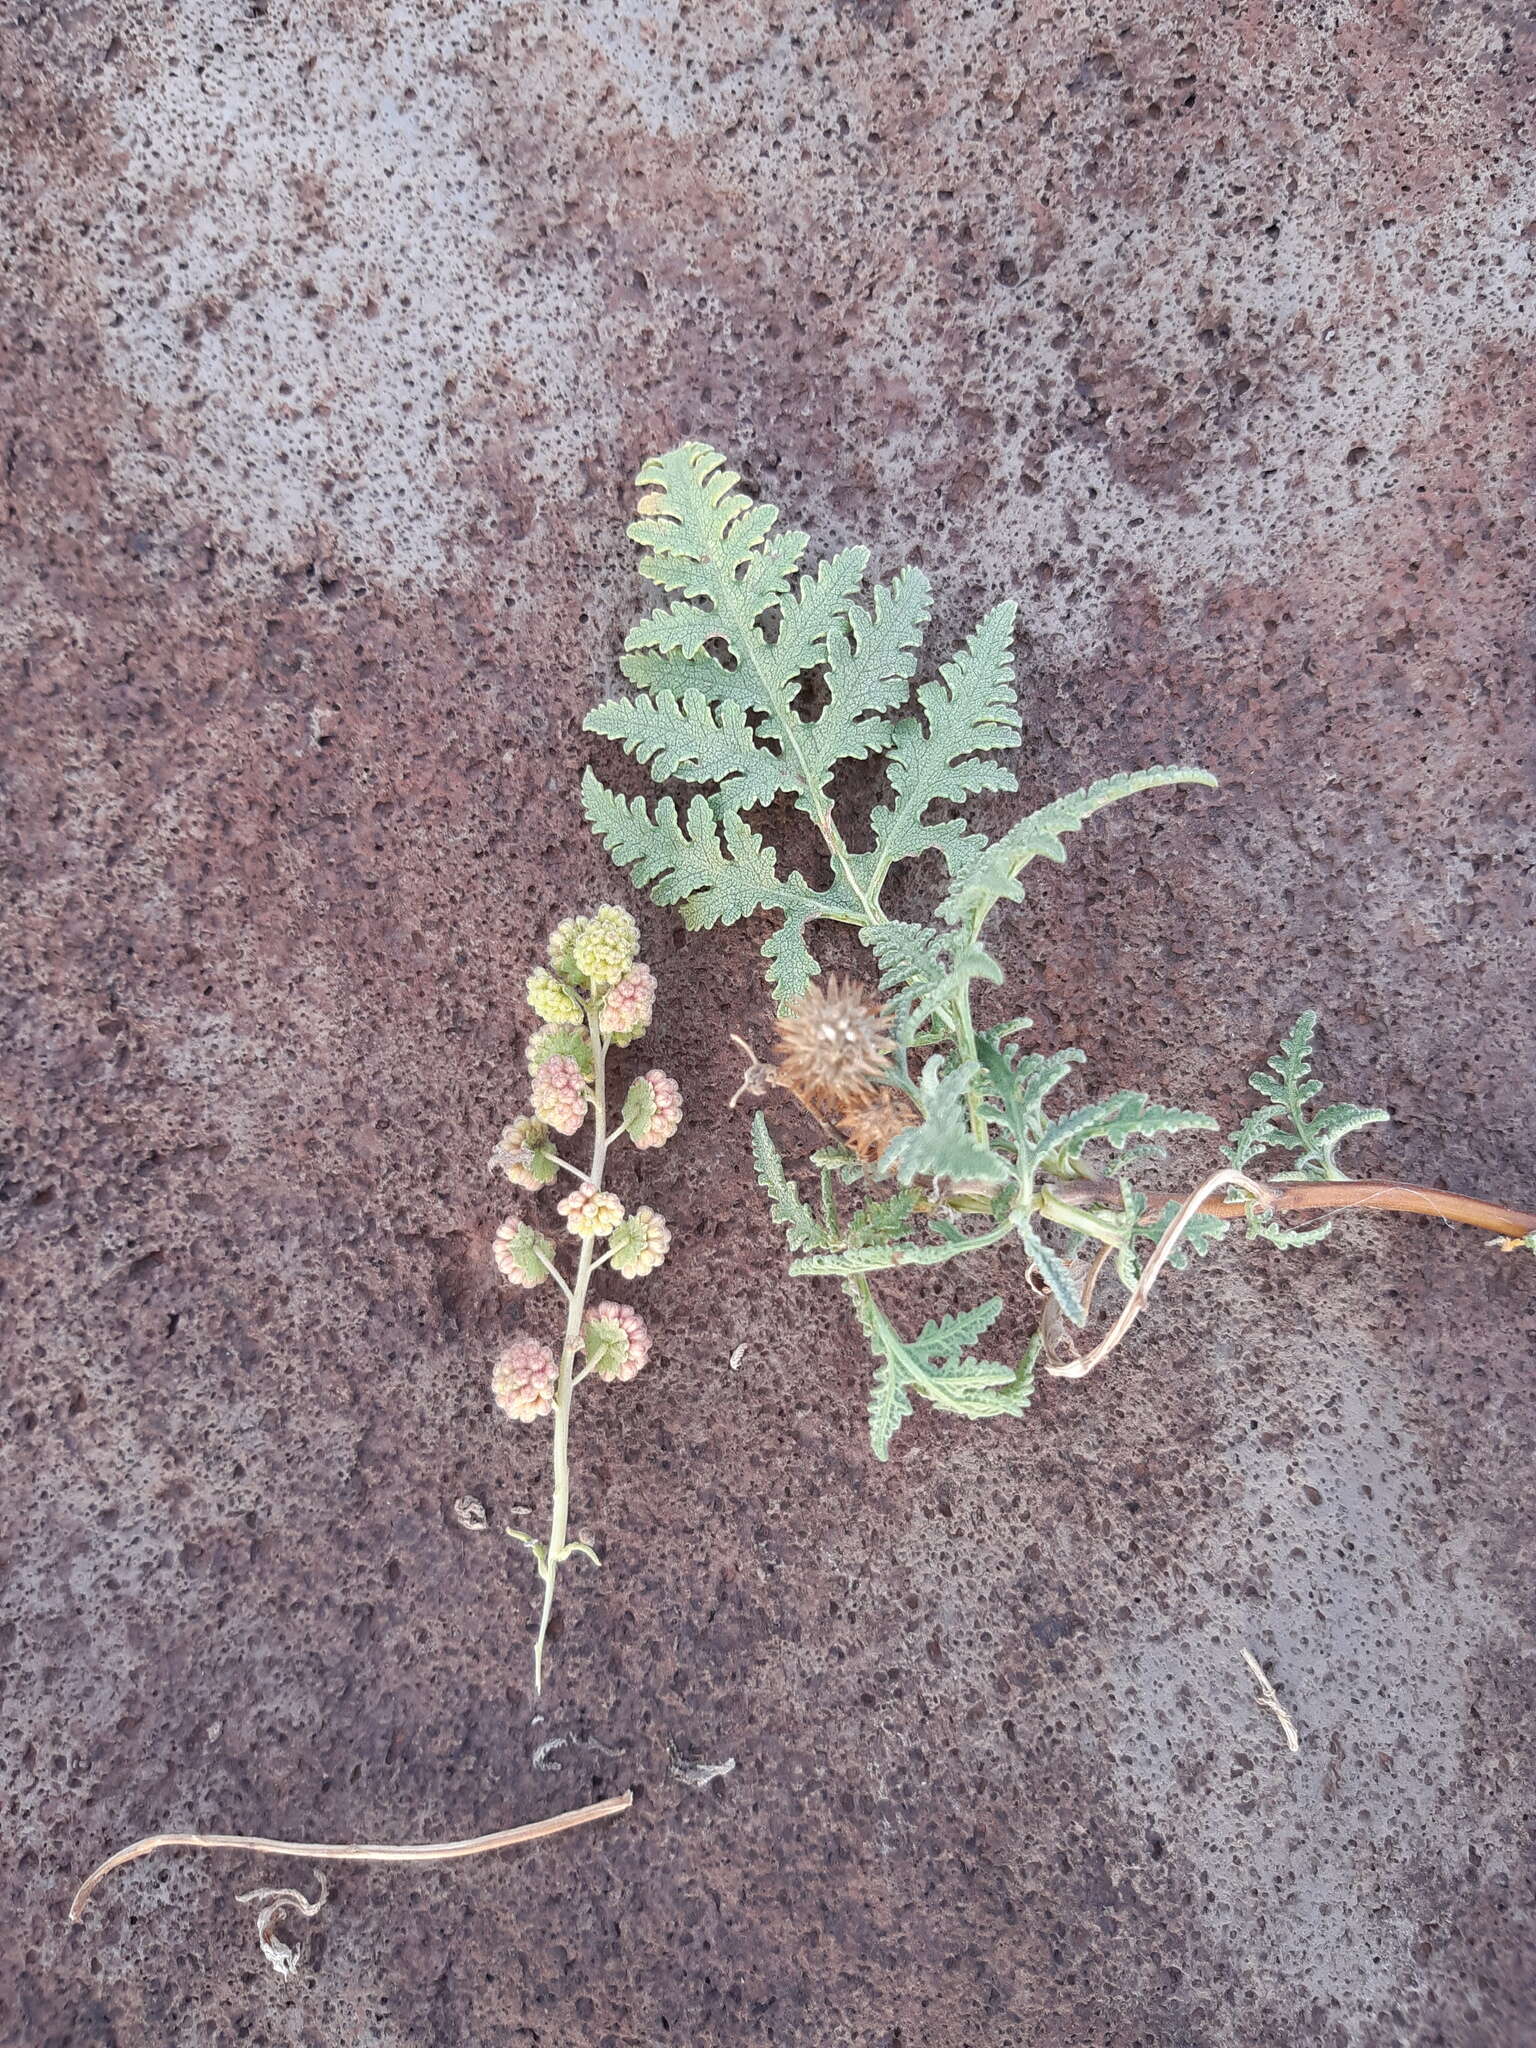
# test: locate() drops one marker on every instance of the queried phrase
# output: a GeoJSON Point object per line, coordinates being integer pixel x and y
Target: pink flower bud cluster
{"type": "Point", "coordinates": [639, 1244]}
{"type": "Point", "coordinates": [666, 1115]}
{"type": "Point", "coordinates": [522, 1255]}
{"type": "Point", "coordinates": [560, 1095]}
{"type": "Point", "coordinates": [523, 1154]}
{"type": "Point", "coordinates": [560, 1041]}
{"type": "Point", "coordinates": [628, 1005]}
{"type": "Point", "coordinates": [590, 1211]}
{"type": "Point", "coordinates": [551, 1000]}
{"type": "Point", "coordinates": [604, 949]}
{"type": "Point", "coordinates": [523, 1383]}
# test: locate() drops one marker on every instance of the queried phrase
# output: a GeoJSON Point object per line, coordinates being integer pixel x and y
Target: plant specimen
{"type": "Point", "coordinates": [594, 995]}
{"type": "Point", "coordinates": [943, 1136]}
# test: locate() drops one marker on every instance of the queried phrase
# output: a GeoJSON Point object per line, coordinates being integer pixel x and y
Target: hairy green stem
{"type": "Point", "coordinates": [558, 1549]}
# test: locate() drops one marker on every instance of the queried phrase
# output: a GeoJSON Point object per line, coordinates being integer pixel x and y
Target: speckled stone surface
{"type": "Point", "coordinates": [333, 338]}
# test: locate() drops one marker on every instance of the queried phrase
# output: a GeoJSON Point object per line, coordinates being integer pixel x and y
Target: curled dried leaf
{"type": "Point", "coordinates": [872, 1127]}
{"type": "Point", "coordinates": [274, 1901]}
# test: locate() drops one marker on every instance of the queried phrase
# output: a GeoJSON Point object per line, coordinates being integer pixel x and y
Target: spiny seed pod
{"type": "Point", "coordinates": [590, 1211]}
{"type": "Point", "coordinates": [560, 1096]}
{"type": "Point", "coordinates": [523, 1154]}
{"type": "Point", "coordinates": [653, 1109]}
{"type": "Point", "coordinates": [523, 1384]}
{"type": "Point", "coordinates": [549, 998]}
{"type": "Point", "coordinates": [560, 1041]}
{"type": "Point", "coordinates": [639, 1244]}
{"type": "Point", "coordinates": [834, 1046]}
{"type": "Point", "coordinates": [872, 1129]}
{"type": "Point", "coordinates": [605, 948]}
{"type": "Point", "coordinates": [522, 1254]}
{"type": "Point", "coordinates": [562, 943]}
{"type": "Point", "coordinates": [627, 1007]}
{"type": "Point", "coordinates": [616, 1341]}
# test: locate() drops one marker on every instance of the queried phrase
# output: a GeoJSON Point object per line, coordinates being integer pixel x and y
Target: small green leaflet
{"type": "Point", "coordinates": [992, 877]}
{"type": "Point", "coordinates": [943, 1146]}
{"type": "Point", "coordinates": [717, 871]}
{"type": "Point", "coordinates": [882, 1222]}
{"type": "Point", "coordinates": [910, 957]}
{"type": "Point", "coordinates": [1039, 1074]}
{"type": "Point", "coordinates": [686, 739]}
{"type": "Point", "coordinates": [970, 711]}
{"type": "Point", "coordinates": [870, 664]}
{"type": "Point", "coordinates": [785, 1201]}
{"type": "Point", "coordinates": [1055, 1272]}
{"type": "Point", "coordinates": [881, 1258]}
{"type": "Point", "coordinates": [923, 971]}
{"type": "Point", "coordinates": [700, 535]}
{"type": "Point", "coordinates": [936, 1364]}
{"type": "Point", "coordinates": [1283, 1123]}
{"type": "Point", "coordinates": [1117, 1120]}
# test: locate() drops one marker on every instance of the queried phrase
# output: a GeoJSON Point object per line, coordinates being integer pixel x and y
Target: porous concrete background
{"type": "Point", "coordinates": [335, 336]}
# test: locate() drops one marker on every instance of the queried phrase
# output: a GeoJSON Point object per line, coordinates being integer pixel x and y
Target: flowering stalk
{"type": "Point", "coordinates": [593, 996]}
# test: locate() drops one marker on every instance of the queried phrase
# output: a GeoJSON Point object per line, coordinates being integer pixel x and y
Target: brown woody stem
{"type": "Point", "coordinates": [1285, 1198]}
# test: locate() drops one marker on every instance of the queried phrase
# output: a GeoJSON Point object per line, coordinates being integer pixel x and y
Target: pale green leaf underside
{"type": "Point", "coordinates": [937, 1364]}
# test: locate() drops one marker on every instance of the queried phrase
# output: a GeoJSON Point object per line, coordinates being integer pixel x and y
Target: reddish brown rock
{"type": "Point", "coordinates": [333, 339]}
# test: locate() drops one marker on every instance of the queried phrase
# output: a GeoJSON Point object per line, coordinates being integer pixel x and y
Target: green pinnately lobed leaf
{"type": "Point", "coordinates": [721, 704]}
{"type": "Point", "coordinates": [943, 1146]}
{"type": "Point", "coordinates": [785, 1201]}
{"type": "Point", "coordinates": [937, 1364]}
{"type": "Point", "coordinates": [1285, 1123]}
{"type": "Point", "coordinates": [992, 877]}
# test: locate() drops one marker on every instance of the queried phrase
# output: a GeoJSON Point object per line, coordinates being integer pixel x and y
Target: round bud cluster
{"type": "Point", "coordinates": [559, 1095]}
{"type": "Point", "coordinates": [562, 942]}
{"type": "Point", "coordinates": [560, 1041]}
{"type": "Point", "coordinates": [628, 1005]}
{"type": "Point", "coordinates": [590, 1211]}
{"type": "Point", "coordinates": [523, 1384]}
{"type": "Point", "coordinates": [666, 1112]}
{"type": "Point", "coordinates": [550, 999]}
{"type": "Point", "coordinates": [604, 949]}
{"type": "Point", "coordinates": [639, 1244]}
{"type": "Point", "coordinates": [522, 1254]}
{"type": "Point", "coordinates": [616, 1341]}
{"type": "Point", "coordinates": [523, 1154]}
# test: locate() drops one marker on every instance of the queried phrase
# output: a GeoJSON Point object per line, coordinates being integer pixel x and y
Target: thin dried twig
{"type": "Point", "coordinates": [758, 1078]}
{"type": "Point", "coordinates": [1269, 1698]}
{"type": "Point", "coordinates": [1136, 1300]}
{"type": "Point", "coordinates": [359, 1852]}
{"type": "Point", "coordinates": [1053, 1324]}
